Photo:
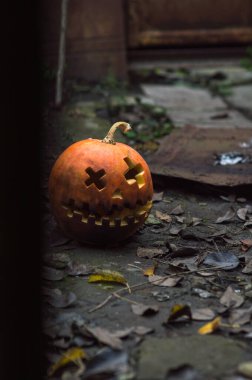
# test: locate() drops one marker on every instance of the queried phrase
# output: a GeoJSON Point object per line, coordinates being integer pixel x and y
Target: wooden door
{"type": "Point", "coordinates": [191, 23]}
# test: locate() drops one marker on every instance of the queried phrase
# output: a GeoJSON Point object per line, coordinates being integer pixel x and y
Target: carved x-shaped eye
{"type": "Point", "coordinates": [96, 178]}
{"type": "Point", "coordinates": [134, 173]}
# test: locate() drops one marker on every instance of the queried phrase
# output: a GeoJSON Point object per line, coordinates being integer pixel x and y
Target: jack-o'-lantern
{"type": "Point", "coordinates": [100, 190]}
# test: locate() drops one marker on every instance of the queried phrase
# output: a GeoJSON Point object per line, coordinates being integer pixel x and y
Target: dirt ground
{"type": "Point", "coordinates": [198, 239]}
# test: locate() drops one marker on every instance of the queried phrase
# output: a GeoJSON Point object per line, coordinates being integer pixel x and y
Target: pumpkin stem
{"type": "Point", "coordinates": [125, 127]}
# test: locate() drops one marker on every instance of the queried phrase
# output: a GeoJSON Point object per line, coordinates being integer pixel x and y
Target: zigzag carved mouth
{"type": "Point", "coordinates": [118, 218]}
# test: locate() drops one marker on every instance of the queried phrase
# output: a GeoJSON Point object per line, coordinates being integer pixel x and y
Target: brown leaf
{"type": "Point", "coordinates": [231, 299]}
{"type": "Point", "coordinates": [242, 213]}
{"type": "Point", "coordinates": [141, 309]}
{"type": "Point", "coordinates": [105, 336]}
{"type": "Point", "coordinates": [248, 268]}
{"type": "Point", "coordinates": [164, 217]}
{"type": "Point", "coordinates": [203, 314]}
{"type": "Point", "coordinates": [245, 369]}
{"type": "Point", "coordinates": [143, 330]}
{"type": "Point", "coordinates": [157, 197]}
{"type": "Point", "coordinates": [196, 221]}
{"type": "Point", "coordinates": [179, 311]}
{"type": "Point", "coordinates": [61, 300]}
{"type": "Point", "coordinates": [240, 316]}
{"type": "Point", "coordinates": [175, 230]}
{"type": "Point", "coordinates": [52, 274]}
{"type": "Point", "coordinates": [180, 219]}
{"type": "Point", "coordinates": [76, 268]}
{"type": "Point", "coordinates": [226, 217]}
{"type": "Point", "coordinates": [178, 210]}
{"type": "Point", "coordinates": [165, 281]}
{"type": "Point", "coordinates": [184, 252]}
{"type": "Point", "coordinates": [149, 253]}
{"type": "Point", "coordinates": [123, 333]}
{"type": "Point", "coordinates": [246, 244]}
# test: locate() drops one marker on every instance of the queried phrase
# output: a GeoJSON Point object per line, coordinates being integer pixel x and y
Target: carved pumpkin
{"type": "Point", "coordinates": [100, 190]}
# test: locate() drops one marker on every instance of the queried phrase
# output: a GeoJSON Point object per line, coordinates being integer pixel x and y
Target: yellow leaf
{"type": "Point", "coordinates": [70, 356]}
{"type": "Point", "coordinates": [107, 276]}
{"type": "Point", "coordinates": [150, 271]}
{"type": "Point", "coordinates": [178, 311]}
{"type": "Point", "coordinates": [210, 327]}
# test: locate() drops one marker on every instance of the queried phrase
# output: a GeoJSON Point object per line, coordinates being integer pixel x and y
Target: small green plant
{"type": "Point", "coordinates": [247, 61]}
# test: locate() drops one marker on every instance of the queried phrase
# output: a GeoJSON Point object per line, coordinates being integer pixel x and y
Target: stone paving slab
{"type": "Point", "coordinates": [234, 74]}
{"type": "Point", "coordinates": [241, 98]}
{"type": "Point", "coordinates": [210, 356]}
{"type": "Point", "coordinates": [195, 106]}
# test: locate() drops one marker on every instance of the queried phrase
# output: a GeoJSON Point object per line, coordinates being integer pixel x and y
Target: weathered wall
{"type": "Point", "coordinates": [95, 39]}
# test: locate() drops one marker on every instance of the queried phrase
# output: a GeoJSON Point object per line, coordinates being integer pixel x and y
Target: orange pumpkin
{"type": "Point", "coordinates": [100, 190]}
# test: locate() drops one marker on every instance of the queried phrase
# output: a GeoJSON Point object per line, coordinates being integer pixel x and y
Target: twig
{"type": "Point", "coordinates": [101, 304]}
{"type": "Point", "coordinates": [116, 293]}
{"type": "Point", "coordinates": [125, 299]}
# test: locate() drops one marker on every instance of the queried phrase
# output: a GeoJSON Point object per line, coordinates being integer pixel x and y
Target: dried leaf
{"type": "Point", "coordinates": [248, 268]}
{"type": "Point", "coordinates": [246, 244]}
{"type": "Point", "coordinates": [196, 221]}
{"type": "Point", "coordinates": [175, 230]}
{"type": "Point", "coordinates": [52, 274]}
{"type": "Point", "coordinates": [231, 299]}
{"type": "Point", "coordinates": [76, 268]}
{"type": "Point", "coordinates": [184, 252]}
{"type": "Point", "coordinates": [70, 356]}
{"type": "Point", "coordinates": [165, 281]}
{"type": "Point", "coordinates": [152, 220]}
{"type": "Point", "coordinates": [245, 369]}
{"type": "Point", "coordinates": [210, 327]}
{"type": "Point", "coordinates": [201, 293]}
{"type": "Point", "coordinates": [149, 253]}
{"type": "Point", "coordinates": [107, 362]}
{"type": "Point", "coordinates": [157, 197]}
{"type": "Point", "coordinates": [143, 330]}
{"type": "Point", "coordinates": [107, 276]}
{"type": "Point", "coordinates": [225, 260]}
{"type": "Point", "coordinates": [228, 216]}
{"type": "Point", "coordinates": [123, 333]}
{"type": "Point", "coordinates": [203, 314]}
{"type": "Point", "coordinates": [230, 198]}
{"type": "Point", "coordinates": [178, 210]}
{"type": "Point", "coordinates": [105, 336]}
{"type": "Point", "coordinates": [150, 271]}
{"type": "Point", "coordinates": [141, 309]}
{"type": "Point", "coordinates": [242, 213]}
{"type": "Point", "coordinates": [57, 260]}
{"type": "Point", "coordinates": [180, 219]}
{"type": "Point", "coordinates": [241, 200]}
{"type": "Point", "coordinates": [60, 300]}
{"type": "Point", "coordinates": [240, 316]}
{"type": "Point", "coordinates": [164, 217]}
{"type": "Point", "coordinates": [179, 311]}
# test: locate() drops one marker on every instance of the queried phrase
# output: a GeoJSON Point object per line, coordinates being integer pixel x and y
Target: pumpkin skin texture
{"type": "Point", "coordinates": [100, 192]}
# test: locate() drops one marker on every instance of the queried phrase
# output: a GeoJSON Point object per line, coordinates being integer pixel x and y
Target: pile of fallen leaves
{"type": "Point", "coordinates": [208, 265]}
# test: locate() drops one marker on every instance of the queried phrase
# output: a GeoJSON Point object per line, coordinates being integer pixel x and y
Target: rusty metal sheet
{"type": "Point", "coordinates": [191, 153]}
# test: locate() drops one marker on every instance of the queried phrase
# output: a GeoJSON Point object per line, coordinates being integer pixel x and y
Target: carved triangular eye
{"type": "Point", "coordinates": [134, 173]}
{"type": "Point", "coordinates": [117, 194]}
